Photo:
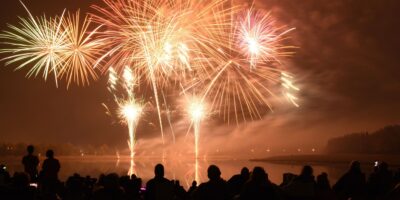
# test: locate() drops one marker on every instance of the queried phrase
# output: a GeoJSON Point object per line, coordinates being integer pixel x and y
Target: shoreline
{"type": "Point", "coordinates": [331, 159]}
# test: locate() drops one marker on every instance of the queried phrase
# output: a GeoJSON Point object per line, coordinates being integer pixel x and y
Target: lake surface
{"type": "Point", "coordinates": [184, 170]}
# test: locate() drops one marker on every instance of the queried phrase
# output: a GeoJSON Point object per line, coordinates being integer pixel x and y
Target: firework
{"type": "Point", "coordinates": [260, 39]}
{"type": "Point", "coordinates": [37, 43]}
{"type": "Point", "coordinates": [129, 108]}
{"type": "Point", "coordinates": [166, 41]}
{"type": "Point", "coordinates": [225, 55]}
{"type": "Point", "coordinates": [62, 46]}
{"type": "Point", "coordinates": [81, 50]}
{"type": "Point", "coordinates": [197, 112]}
{"type": "Point", "coordinates": [245, 68]}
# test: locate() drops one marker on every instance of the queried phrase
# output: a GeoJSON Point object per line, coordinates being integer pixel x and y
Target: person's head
{"type": "Point", "coordinates": [245, 172]}
{"type": "Point", "coordinates": [159, 170]}
{"type": "Point", "coordinates": [355, 166]}
{"type": "Point", "coordinates": [50, 153]}
{"type": "Point", "coordinates": [307, 171]}
{"type": "Point", "coordinates": [323, 181]}
{"type": "Point", "coordinates": [30, 149]}
{"type": "Point", "coordinates": [259, 174]}
{"type": "Point", "coordinates": [213, 172]}
{"type": "Point", "coordinates": [194, 184]}
{"type": "Point", "coordinates": [111, 181]}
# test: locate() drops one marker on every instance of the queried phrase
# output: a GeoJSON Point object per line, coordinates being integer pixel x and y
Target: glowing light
{"type": "Point", "coordinates": [129, 108]}
{"type": "Point", "coordinates": [197, 112]}
{"type": "Point", "coordinates": [131, 111]}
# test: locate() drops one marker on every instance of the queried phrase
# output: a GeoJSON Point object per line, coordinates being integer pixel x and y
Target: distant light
{"type": "Point", "coordinates": [313, 150]}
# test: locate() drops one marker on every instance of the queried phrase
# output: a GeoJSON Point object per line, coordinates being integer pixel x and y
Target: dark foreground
{"type": "Point", "coordinates": [254, 184]}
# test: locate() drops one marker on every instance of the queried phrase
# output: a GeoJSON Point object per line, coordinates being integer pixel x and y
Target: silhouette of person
{"type": "Point", "coordinates": [192, 188]}
{"type": "Point", "coordinates": [235, 184]}
{"type": "Point", "coordinates": [111, 189]}
{"type": "Point", "coordinates": [352, 184]}
{"type": "Point", "coordinates": [258, 187]}
{"type": "Point", "coordinates": [380, 182]}
{"type": "Point", "coordinates": [30, 163]}
{"type": "Point", "coordinates": [303, 186]}
{"type": "Point", "coordinates": [159, 187]}
{"type": "Point", "coordinates": [215, 189]}
{"type": "Point", "coordinates": [324, 190]}
{"type": "Point", "coordinates": [48, 177]}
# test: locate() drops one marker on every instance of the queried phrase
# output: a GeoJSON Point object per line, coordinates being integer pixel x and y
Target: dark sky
{"type": "Point", "coordinates": [347, 66]}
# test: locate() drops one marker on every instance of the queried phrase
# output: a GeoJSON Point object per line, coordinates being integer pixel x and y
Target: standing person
{"type": "Point", "coordinates": [49, 175]}
{"type": "Point", "coordinates": [215, 189]}
{"type": "Point", "coordinates": [159, 188]}
{"type": "Point", "coordinates": [352, 184]}
{"type": "Point", "coordinates": [258, 186]}
{"type": "Point", "coordinates": [31, 163]}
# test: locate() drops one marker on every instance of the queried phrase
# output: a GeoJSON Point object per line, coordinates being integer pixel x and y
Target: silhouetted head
{"type": "Point", "coordinates": [245, 172]}
{"type": "Point", "coordinates": [259, 174]}
{"type": "Point", "coordinates": [133, 177]}
{"type": "Point", "coordinates": [30, 149]}
{"type": "Point", "coordinates": [213, 172]}
{"type": "Point", "coordinates": [322, 181]}
{"type": "Point", "coordinates": [307, 171]}
{"type": "Point", "coordinates": [355, 166]}
{"type": "Point", "coordinates": [159, 170]}
{"type": "Point", "coordinates": [111, 181]}
{"type": "Point", "coordinates": [50, 153]}
{"type": "Point", "coordinates": [194, 184]}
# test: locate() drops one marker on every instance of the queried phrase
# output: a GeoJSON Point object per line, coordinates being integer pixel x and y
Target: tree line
{"type": "Point", "coordinates": [382, 141]}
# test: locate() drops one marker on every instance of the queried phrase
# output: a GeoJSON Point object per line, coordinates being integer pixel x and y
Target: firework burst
{"type": "Point", "coordinates": [62, 46]}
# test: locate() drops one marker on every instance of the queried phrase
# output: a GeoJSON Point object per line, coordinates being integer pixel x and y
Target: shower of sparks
{"type": "Point", "coordinates": [260, 39]}
{"type": "Point", "coordinates": [197, 112]}
{"type": "Point", "coordinates": [129, 109]}
{"type": "Point", "coordinates": [62, 46]}
{"type": "Point", "coordinates": [37, 43]}
{"type": "Point", "coordinates": [81, 50]}
{"type": "Point", "coordinates": [225, 53]}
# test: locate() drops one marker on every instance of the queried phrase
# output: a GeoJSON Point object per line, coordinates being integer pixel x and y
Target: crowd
{"type": "Point", "coordinates": [31, 184]}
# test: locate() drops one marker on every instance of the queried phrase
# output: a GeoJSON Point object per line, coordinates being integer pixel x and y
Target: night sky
{"type": "Point", "coordinates": [347, 66]}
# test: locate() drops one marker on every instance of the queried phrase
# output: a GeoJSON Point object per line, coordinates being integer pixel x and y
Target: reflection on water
{"type": "Point", "coordinates": [185, 170]}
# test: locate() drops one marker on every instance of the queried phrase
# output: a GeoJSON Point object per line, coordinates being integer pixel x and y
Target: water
{"type": "Point", "coordinates": [184, 170]}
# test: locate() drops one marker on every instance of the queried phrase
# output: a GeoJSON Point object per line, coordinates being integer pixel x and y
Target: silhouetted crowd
{"type": "Point", "coordinates": [32, 184]}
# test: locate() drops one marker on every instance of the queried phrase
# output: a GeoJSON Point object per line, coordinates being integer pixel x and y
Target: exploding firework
{"type": "Point", "coordinates": [129, 108]}
{"type": "Point", "coordinates": [196, 111]}
{"type": "Point", "coordinates": [36, 43]}
{"type": "Point", "coordinates": [229, 57]}
{"type": "Point", "coordinates": [81, 50]}
{"type": "Point", "coordinates": [165, 41]}
{"type": "Point", "coordinates": [245, 68]}
{"type": "Point", "coordinates": [62, 46]}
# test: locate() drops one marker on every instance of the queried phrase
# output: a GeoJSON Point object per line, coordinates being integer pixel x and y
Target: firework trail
{"type": "Point", "coordinates": [129, 109]}
{"type": "Point", "coordinates": [197, 112]}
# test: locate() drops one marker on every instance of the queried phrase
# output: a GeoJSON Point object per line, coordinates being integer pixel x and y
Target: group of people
{"type": "Point", "coordinates": [248, 185]}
